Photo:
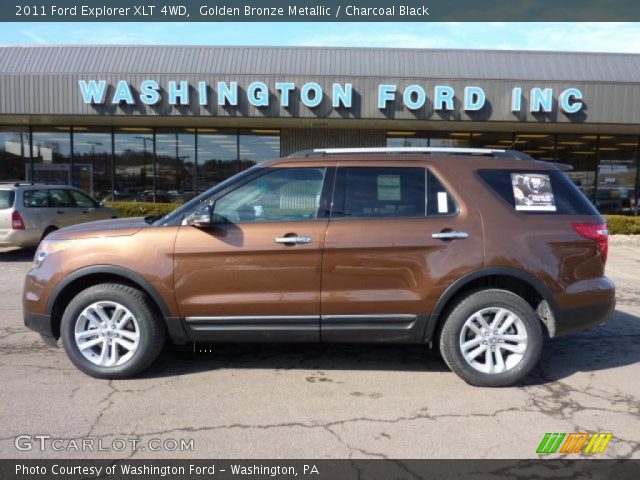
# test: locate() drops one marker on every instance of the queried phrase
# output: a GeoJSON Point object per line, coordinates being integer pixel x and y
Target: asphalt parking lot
{"type": "Point", "coordinates": [317, 401]}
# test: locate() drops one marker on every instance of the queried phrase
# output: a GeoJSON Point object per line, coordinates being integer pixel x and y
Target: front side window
{"type": "Point", "coordinates": [82, 199]}
{"type": "Point", "coordinates": [284, 194]}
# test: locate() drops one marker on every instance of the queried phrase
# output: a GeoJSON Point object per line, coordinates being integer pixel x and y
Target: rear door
{"type": "Point", "coordinates": [399, 234]}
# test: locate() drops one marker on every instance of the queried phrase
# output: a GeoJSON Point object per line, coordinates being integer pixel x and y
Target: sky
{"type": "Point", "coordinates": [589, 37]}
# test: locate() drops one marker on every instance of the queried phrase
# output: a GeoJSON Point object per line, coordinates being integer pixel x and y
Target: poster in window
{"type": "Point", "coordinates": [389, 188]}
{"type": "Point", "coordinates": [532, 192]}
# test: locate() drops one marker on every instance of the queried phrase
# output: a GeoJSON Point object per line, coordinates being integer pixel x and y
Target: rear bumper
{"type": "Point", "coordinates": [586, 308]}
{"type": "Point", "coordinates": [20, 238]}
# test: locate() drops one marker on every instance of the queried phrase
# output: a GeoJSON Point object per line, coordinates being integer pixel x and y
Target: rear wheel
{"type": "Point", "coordinates": [491, 338]}
{"type": "Point", "coordinates": [112, 331]}
{"type": "Point", "coordinates": [47, 231]}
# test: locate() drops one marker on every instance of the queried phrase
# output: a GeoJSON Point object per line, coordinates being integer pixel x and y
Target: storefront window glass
{"type": "Point", "coordinates": [541, 146]}
{"type": "Point", "coordinates": [617, 174]}
{"type": "Point", "coordinates": [257, 146]}
{"type": "Point", "coordinates": [52, 155]}
{"type": "Point", "coordinates": [217, 157]}
{"type": "Point", "coordinates": [450, 139]}
{"type": "Point", "coordinates": [407, 139]}
{"type": "Point", "coordinates": [133, 165]}
{"type": "Point", "coordinates": [14, 154]}
{"type": "Point", "coordinates": [175, 165]}
{"type": "Point", "coordinates": [579, 151]}
{"type": "Point", "coordinates": [92, 161]}
{"type": "Point", "coordinates": [498, 141]}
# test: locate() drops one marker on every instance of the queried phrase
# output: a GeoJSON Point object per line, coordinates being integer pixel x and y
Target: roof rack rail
{"type": "Point", "coordinates": [493, 152]}
{"type": "Point", "coordinates": [408, 150]}
{"type": "Point", "coordinates": [21, 183]}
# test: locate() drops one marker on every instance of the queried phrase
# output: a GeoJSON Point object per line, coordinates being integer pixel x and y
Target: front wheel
{"type": "Point", "coordinates": [112, 330]}
{"type": "Point", "coordinates": [491, 338]}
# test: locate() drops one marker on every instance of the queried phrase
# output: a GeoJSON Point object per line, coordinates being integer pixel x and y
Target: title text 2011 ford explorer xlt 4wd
{"type": "Point", "coordinates": [481, 251]}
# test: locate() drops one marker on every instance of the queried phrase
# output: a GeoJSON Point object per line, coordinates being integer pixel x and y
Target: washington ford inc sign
{"type": "Point", "coordinates": [312, 95]}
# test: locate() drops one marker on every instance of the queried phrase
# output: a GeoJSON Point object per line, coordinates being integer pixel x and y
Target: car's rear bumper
{"type": "Point", "coordinates": [20, 238]}
{"type": "Point", "coordinates": [586, 305]}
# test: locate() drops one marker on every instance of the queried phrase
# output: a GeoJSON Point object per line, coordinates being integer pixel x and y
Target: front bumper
{"type": "Point", "coordinates": [586, 308]}
{"type": "Point", "coordinates": [39, 323]}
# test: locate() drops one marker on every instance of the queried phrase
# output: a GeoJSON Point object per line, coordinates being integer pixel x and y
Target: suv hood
{"type": "Point", "coordinates": [118, 227]}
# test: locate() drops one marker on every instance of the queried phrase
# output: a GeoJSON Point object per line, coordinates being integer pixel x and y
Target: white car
{"type": "Point", "coordinates": [30, 211]}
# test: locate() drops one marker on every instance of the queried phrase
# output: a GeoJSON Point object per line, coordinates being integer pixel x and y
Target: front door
{"type": "Point", "coordinates": [391, 251]}
{"type": "Point", "coordinates": [255, 274]}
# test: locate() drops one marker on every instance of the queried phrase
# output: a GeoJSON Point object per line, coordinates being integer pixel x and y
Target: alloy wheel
{"type": "Point", "coordinates": [493, 340]}
{"type": "Point", "coordinates": [107, 334]}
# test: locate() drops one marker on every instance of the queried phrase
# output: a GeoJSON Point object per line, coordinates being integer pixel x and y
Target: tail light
{"type": "Point", "coordinates": [16, 221]}
{"type": "Point", "coordinates": [597, 232]}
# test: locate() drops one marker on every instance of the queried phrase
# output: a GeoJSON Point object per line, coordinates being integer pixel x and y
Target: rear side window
{"type": "Point", "coordinates": [36, 198]}
{"type": "Point", "coordinates": [394, 192]}
{"type": "Point", "coordinates": [538, 192]}
{"type": "Point", "coordinates": [380, 192]}
{"type": "Point", "coordinates": [6, 199]}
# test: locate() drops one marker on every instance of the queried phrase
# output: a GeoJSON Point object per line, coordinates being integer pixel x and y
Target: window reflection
{"type": "Point", "coordinates": [175, 167]}
{"type": "Point", "coordinates": [541, 146]}
{"type": "Point", "coordinates": [217, 157]}
{"type": "Point", "coordinates": [52, 155]}
{"type": "Point", "coordinates": [92, 161]}
{"type": "Point", "coordinates": [579, 151]}
{"type": "Point", "coordinates": [617, 174]}
{"type": "Point", "coordinates": [14, 154]}
{"type": "Point", "coordinates": [407, 139]}
{"type": "Point", "coordinates": [451, 139]}
{"type": "Point", "coordinates": [133, 165]}
{"type": "Point", "coordinates": [257, 146]}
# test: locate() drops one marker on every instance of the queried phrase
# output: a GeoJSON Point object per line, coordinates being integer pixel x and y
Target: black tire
{"type": "Point", "coordinates": [151, 326]}
{"type": "Point", "coordinates": [47, 231]}
{"type": "Point", "coordinates": [472, 303]}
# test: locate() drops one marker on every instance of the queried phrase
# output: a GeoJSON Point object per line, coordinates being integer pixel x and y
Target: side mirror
{"type": "Point", "coordinates": [201, 217]}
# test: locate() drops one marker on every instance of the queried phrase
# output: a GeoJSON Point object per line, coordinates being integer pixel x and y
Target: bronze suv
{"type": "Point", "coordinates": [480, 252]}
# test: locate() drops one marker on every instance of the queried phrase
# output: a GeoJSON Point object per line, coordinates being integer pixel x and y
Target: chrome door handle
{"type": "Point", "coordinates": [293, 239]}
{"type": "Point", "coordinates": [450, 235]}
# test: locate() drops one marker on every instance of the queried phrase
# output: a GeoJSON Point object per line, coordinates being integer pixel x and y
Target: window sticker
{"type": "Point", "coordinates": [532, 192]}
{"type": "Point", "coordinates": [389, 188]}
{"type": "Point", "coordinates": [443, 203]}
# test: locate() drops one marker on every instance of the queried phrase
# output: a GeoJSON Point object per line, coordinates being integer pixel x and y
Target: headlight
{"type": "Point", "coordinates": [48, 247]}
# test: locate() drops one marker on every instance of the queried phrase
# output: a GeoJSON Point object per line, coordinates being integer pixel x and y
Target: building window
{"type": "Point", "coordinates": [257, 146]}
{"type": "Point", "coordinates": [175, 165]}
{"type": "Point", "coordinates": [52, 155]}
{"type": "Point", "coordinates": [14, 154]}
{"type": "Point", "coordinates": [617, 173]}
{"type": "Point", "coordinates": [217, 156]}
{"type": "Point", "coordinates": [92, 159]}
{"type": "Point", "coordinates": [452, 139]}
{"type": "Point", "coordinates": [407, 139]}
{"type": "Point", "coordinates": [541, 146]}
{"type": "Point", "coordinates": [133, 165]}
{"type": "Point", "coordinates": [579, 151]}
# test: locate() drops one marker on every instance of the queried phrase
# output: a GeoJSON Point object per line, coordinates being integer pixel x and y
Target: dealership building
{"type": "Point", "coordinates": [145, 123]}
